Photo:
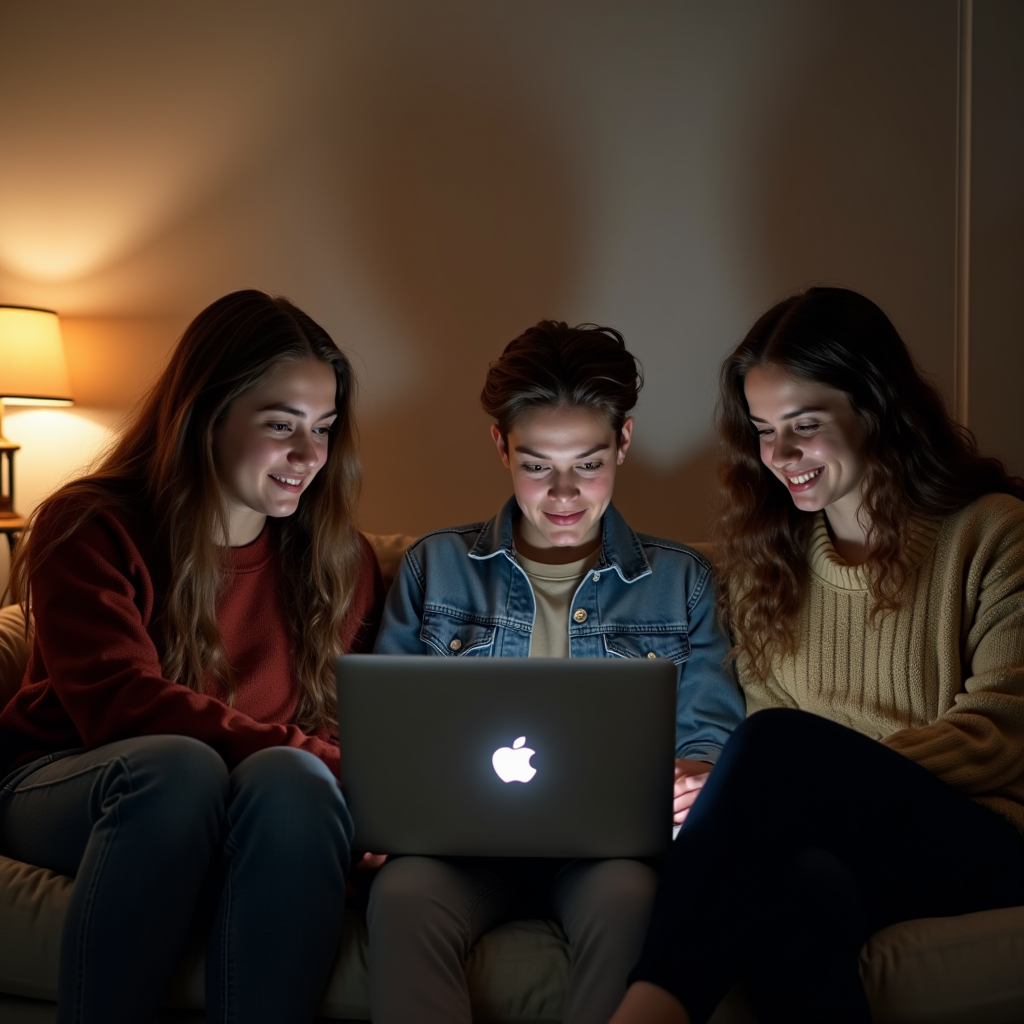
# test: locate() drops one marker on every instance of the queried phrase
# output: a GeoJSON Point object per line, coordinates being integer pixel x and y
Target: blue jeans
{"type": "Point", "coordinates": [160, 838]}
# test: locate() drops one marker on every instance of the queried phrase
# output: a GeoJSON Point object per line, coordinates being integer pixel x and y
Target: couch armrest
{"type": "Point", "coordinates": [15, 647]}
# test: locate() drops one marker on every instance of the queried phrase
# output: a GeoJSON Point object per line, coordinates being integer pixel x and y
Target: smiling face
{"type": "Point", "coordinates": [812, 440]}
{"type": "Point", "coordinates": [563, 462]}
{"type": "Point", "coordinates": [271, 444]}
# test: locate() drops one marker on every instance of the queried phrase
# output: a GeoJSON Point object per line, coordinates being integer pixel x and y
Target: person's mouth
{"type": "Point", "coordinates": [564, 518]}
{"type": "Point", "coordinates": [803, 481]}
{"type": "Point", "coordinates": [292, 484]}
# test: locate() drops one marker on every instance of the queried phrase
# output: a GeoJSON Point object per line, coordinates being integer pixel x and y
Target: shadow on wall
{"type": "Point", "coordinates": [856, 182]}
{"type": "Point", "coordinates": [467, 224]}
{"type": "Point", "coordinates": [472, 224]}
{"type": "Point", "coordinates": [429, 180]}
{"type": "Point", "coordinates": [854, 186]}
{"type": "Point", "coordinates": [677, 503]}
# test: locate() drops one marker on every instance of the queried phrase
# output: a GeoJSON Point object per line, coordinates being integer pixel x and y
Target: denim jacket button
{"type": "Point", "coordinates": [580, 615]}
{"type": "Point", "coordinates": [596, 577]}
{"type": "Point", "coordinates": [651, 654]}
{"type": "Point", "coordinates": [456, 644]}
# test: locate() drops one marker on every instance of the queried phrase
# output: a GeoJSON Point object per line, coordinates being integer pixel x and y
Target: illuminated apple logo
{"type": "Point", "coordinates": [513, 763]}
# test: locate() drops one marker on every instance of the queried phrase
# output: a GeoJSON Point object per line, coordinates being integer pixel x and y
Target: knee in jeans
{"type": "Point", "coordinates": [617, 890]}
{"type": "Point", "coordinates": [402, 882]}
{"type": "Point", "coordinates": [177, 783]}
{"type": "Point", "coordinates": [292, 795]}
{"type": "Point", "coordinates": [179, 767]}
{"type": "Point", "coordinates": [408, 892]}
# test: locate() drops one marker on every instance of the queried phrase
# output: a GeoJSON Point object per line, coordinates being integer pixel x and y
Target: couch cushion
{"type": "Point", "coordinates": [32, 905]}
{"type": "Point", "coordinates": [389, 548]}
{"type": "Point", "coordinates": [952, 970]}
{"type": "Point", "coordinates": [947, 970]}
{"type": "Point", "coordinates": [516, 972]}
{"type": "Point", "coordinates": [14, 651]}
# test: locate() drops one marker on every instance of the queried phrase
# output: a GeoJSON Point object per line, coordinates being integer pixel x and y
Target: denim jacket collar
{"type": "Point", "coordinates": [620, 547]}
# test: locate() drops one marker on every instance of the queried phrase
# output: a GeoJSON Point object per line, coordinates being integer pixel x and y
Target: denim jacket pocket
{"type": "Point", "coordinates": [672, 646]}
{"type": "Point", "coordinates": [454, 635]}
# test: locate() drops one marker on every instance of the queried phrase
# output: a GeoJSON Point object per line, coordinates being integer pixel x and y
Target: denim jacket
{"type": "Point", "coordinates": [461, 593]}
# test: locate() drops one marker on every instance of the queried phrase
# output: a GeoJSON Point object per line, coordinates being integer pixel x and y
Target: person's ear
{"type": "Point", "coordinates": [625, 436]}
{"type": "Point", "coordinates": [501, 445]}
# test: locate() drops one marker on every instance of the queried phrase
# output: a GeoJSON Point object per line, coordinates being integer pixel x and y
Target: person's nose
{"type": "Point", "coordinates": [564, 487]}
{"type": "Point", "coordinates": [304, 452]}
{"type": "Point", "coordinates": [785, 450]}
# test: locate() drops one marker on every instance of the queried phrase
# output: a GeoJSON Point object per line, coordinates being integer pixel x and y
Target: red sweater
{"type": "Point", "coordinates": [95, 674]}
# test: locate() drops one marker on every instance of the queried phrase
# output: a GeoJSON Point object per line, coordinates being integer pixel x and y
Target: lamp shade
{"type": "Point", "coordinates": [33, 369]}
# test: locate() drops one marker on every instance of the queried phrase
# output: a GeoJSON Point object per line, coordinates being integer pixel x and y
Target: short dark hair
{"type": "Point", "coordinates": [553, 364]}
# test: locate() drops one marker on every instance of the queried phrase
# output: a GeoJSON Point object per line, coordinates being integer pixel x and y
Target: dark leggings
{"type": "Point", "coordinates": [807, 838]}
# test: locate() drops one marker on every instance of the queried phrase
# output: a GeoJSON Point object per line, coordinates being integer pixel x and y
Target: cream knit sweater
{"type": "Point", "coordinates": [941, 680]}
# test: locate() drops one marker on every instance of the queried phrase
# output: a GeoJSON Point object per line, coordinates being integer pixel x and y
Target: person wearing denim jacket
{"type": "Point", "coordinates": [557, 573]}
{"type": "Point", "coordinates": [460, 592]}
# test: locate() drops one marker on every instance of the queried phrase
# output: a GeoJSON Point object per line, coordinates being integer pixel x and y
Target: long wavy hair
{"type": "Point", "coordinates": [918, 462]}
{"type": "Point", "coordinates": [162, 466]}
{"type": "Point", "coordinates": [553, 364]}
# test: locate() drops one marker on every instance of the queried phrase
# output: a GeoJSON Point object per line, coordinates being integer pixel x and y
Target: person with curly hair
{"type": "Point", "coordinates": [872, 574]}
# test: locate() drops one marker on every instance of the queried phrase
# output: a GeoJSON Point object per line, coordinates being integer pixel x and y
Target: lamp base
{"type": "Point", "coordinates": [7, 450]}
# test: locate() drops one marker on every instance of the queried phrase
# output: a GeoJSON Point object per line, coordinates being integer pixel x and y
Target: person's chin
{"type": "Point", "coordinates": [808, 502]}
{"type": "Point", "coordinates": [282, 509]}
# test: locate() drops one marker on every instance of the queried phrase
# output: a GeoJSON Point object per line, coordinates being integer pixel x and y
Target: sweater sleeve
{"type": "Point", "coordinates": [93, 601]}
{"type": "Point", "coordinates": [976, 745]}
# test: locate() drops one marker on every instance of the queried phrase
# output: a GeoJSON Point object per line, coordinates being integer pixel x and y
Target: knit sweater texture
{"type": "Point", "coordinates": [95, 672]}
{"type": "Point", "coordinates": [941, 679]}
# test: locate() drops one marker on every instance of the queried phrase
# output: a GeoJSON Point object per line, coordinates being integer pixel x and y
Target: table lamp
{"type": "Point", "coordinates": [33, 371]}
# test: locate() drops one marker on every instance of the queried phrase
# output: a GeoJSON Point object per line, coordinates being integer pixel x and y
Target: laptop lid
{"type": "Point", "coordinates": [508, 756]}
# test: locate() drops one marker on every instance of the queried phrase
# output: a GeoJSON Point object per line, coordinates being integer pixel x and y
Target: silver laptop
{"type": "Point", "coordinates": [508, 756]}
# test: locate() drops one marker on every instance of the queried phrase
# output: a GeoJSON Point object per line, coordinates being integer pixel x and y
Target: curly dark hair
{"type": "Point", "coordinates": [918, 462]}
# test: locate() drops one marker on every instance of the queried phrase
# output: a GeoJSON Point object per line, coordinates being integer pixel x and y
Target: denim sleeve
{"type": "Point", "coordinates": [403, 611]}
{"type": "Point", "coordinates": [709, 702]}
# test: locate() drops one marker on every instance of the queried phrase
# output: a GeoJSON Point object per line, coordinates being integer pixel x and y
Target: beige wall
{"type": "Point", "coordinates": [427, 179]}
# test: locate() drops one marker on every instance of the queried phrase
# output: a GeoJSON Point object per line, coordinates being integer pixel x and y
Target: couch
{"type": "Point", "coordinates": [965, 970]}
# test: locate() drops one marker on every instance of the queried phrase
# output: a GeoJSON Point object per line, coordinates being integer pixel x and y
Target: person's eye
{"type": "Point", "coordinates": [323, 431]}
{"type": "Point", "coordinates": [591, 466]}
{"type": "Point", "coordinates": [765, 432]}
{"type": "Point", "coordinates": [533, 467]}
{"type": "Point", "coordinates": [279, 428]}
{"type": "Point", "coordinates": [807, 428]}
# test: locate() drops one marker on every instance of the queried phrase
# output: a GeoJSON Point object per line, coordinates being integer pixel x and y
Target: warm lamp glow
{"type": "Point", "coordinates": [33, 371]}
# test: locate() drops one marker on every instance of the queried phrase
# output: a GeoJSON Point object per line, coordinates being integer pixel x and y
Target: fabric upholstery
{"type": "Point", "coordinates": [14, 650]}
{"type": "Point", "coordinates": [516, 972]}
{"type": "Point", "coordinates": [964, 970]}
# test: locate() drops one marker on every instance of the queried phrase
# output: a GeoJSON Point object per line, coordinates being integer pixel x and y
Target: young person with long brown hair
{"type": "Point", "coordinates": [173, 746]}
{"type": "Point", "coordinates": [556, 573]}
{"type": "Point", "coordinates": [873, 576]}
